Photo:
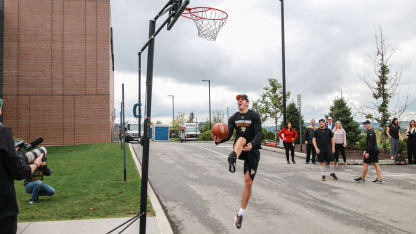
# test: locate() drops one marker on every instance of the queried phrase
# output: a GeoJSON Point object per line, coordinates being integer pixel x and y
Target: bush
{"type": "Point", "coordinates": [205, 136]}
{"type": "Point", "coordinates": [263, 134]}
{"type": "Point", "coordinates": [362, 144]}
{"type": "Point", "coordinates": [402, 147]}
{"type": "Point", "coordinates": [270, 136]}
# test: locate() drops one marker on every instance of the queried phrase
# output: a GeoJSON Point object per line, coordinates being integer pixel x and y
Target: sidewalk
{"type": "Point", "coordinates": [87, 226]}
{"type": "Point", "coordinates": [303, 155]}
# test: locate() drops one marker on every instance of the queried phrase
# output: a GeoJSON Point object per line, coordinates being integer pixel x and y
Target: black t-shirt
{"type": "Point", "coordinates": [323, 139]}
{"type": "Point", "coordinates": [247, 125]}
{"type": "Point", "coordinates": [394, 131]}
{"type": "Point", "coordinates": [371, 142]}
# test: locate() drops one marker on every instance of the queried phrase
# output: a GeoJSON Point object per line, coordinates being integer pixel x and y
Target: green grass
{"type": "Point", "coordinates": [88, 180]}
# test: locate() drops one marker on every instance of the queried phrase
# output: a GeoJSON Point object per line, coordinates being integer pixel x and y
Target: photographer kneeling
{"type": "Point", "coordinates": [12, 167]}
{"type": "Point", "coordinates": [35, 185]}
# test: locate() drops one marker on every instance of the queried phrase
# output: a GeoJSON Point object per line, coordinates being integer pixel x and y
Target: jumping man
{"type": "Point", "coordinates": [247, 124]}
{"type": "Point", "coordinates": [324, 143]}
{"type": "Point", "coordinates": [370, 155]}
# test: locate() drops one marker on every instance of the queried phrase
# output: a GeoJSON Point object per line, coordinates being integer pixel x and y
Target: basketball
{"type": "Point", "coordinates": [220, 130]}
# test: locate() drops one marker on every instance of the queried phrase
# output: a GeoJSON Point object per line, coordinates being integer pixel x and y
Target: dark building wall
{"type": "Point", "coordinates": [57, 76]}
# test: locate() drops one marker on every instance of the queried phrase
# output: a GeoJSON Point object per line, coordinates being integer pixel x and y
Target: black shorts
{"type": "Point", "coordinates": [372, 158]}
{"type": "Point", "coordinates": [325, 156]}
{"type": "Point", "coordinates": [251, 161]}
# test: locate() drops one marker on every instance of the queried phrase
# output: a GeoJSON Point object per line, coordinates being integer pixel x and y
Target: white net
{"type": "Point", "coordinates": [208, 21]}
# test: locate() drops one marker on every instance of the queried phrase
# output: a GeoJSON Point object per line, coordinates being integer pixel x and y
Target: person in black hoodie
{"type": "Point", "coordinates": [12, 167]}
{"type": "Point", "coordinates": [411, 142]}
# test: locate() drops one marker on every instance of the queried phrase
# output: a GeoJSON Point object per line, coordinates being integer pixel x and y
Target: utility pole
{"type": "Point", "coordinates": [283, 60]}
{"type": "Point", "coordinates": [173, 108]}
{"type": "Point", "coordinates": [209, 98]}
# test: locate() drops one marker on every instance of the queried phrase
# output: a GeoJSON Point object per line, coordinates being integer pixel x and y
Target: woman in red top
{"type": "Point", "coordinates": [290, 136]}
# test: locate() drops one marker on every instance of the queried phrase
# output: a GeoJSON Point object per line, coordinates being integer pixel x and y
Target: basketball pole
{"type": "Point", "coordinates": [139, 119]}
{"type": "Point", "coordinates": [147, 121]}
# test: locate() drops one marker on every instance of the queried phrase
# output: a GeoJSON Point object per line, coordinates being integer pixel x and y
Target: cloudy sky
{"type": "Point", "coordinates": [328, 44]}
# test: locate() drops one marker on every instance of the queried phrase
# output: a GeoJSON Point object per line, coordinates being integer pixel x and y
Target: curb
{"type": "Point", "coordinates": [161, 218]}
{"type": "Point", "coordinates": [303, 155]}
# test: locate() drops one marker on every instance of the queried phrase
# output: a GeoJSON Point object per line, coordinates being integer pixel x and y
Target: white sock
{"type": "Point", "coordinates": [322, 169]}
{"type": "Point", "coordinates": [241, 212]}
{"type": "Point", "coordinates": [332, 169]}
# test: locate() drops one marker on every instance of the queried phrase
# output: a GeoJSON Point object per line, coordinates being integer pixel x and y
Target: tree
{"type": "Point", "coordinates": [204, 126]}
{"type": "Point", "coordinates": [271, 101]}
{"type": "Point", "coordinates": [218, 117]}
{"type": "Point", "coordinates": [257, 107]}
{"type": "Point", "coordinates": [179, 119]}
{"type": "Point", "coordinates": [159, 122]}
{"type": "Point", "coordinates": [339, 111]}
{"type": "Point", "coordinates": [292, 116]}
{"type": "Point", "coordinates": [191, 118]}
{"type": "Point", "coordinates": [384, 88]}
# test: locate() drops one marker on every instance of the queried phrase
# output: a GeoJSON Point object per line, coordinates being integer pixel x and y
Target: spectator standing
{"type": "Point", "coordinates": [340, 142]}
{"type": "Point", "coordinates": [310, 130]}
{"type": "Point", "coordinates": [289, 137]}
{"type": "Point", "coordinates": [393, 131]}
{"type": "Point", "coordinates": [330, 124]}
{"type": "Point", "coordinates": [411, 142]}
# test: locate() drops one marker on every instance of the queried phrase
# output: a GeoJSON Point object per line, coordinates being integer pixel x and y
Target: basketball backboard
{"type": "Point", "coordinates": [175, 12]}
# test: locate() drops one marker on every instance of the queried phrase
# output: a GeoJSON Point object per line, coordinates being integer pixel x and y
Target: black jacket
{"type": "Point", "coordinates": [12, 168]}
{"type": "Point", "coordinates": [309, 134]}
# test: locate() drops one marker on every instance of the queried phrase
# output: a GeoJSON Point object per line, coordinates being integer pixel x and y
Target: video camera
{"type": "Point", "coordinates": [30, 156]}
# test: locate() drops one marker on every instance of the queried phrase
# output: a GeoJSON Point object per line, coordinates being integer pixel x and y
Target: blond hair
{"type": "Point", "coordinates": [339, 124]}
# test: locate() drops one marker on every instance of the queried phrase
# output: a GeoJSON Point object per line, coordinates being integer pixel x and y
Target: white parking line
{"type": "Point", "coordinates": [398, 175]}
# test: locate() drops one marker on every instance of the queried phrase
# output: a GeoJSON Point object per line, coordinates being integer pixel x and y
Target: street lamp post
{"type": "Point", "coordinates": [283, 60]}
{"type": "Point", "coordinates": [173, 107]}
{"type": "Point", "coordinates": [209, 98]}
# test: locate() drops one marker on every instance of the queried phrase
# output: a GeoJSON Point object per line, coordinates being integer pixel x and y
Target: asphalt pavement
{"type": "Point", "coordinates": [199, 195]}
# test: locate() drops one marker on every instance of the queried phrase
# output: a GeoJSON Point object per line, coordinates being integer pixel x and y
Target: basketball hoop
{"type": "Point", "coordinates": [208, 20]}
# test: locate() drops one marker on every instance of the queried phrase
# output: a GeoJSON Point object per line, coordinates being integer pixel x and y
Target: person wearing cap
{"type": "Point", "coordinates": [324, 143]}
{"type": "Point", "coordinates": [247, 125]}
{"type": "Point", "coordinates": [12, 168]}
{"type": "Point", "coordinates": [370, 155]}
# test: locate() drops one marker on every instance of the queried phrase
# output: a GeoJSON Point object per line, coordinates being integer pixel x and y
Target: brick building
{"type": "Point", "coordinates": [56, 70]}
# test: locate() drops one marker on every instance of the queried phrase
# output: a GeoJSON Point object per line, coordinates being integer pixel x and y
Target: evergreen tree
{"type": "Point", "coordinates": [339, 111]}
{"type": "Point", "coordinates": [191, 118]}
{"type": "Point", "coordinates": [292, 116]}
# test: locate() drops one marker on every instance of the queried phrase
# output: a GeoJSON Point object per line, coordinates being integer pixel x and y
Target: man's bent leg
{"type": "Point", "coordinates": [239, 145]}
{"type": "Point", "coordinates": [248, 182]}
{"type": "Point", "coordinates": [34, 188]}
{"type": "Point", "coordinates": [46, 190]}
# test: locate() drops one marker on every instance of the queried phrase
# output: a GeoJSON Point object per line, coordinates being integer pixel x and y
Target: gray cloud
{"type": "Point", "coordinates": [323, 41]}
